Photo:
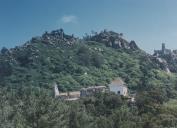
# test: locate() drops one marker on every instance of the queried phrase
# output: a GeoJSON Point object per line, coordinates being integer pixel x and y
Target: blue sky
{"type": "Point", "coordinates": [148, 22]}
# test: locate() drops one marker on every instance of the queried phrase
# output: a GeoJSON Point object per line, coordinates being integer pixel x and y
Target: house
{"type": "Point", "coordinates": [92, 90]}
{"type": "Point", "coordinates": [58, 94]}
{"type": "Point", "coordinates": [117, 86]}
{"type": "Point", "coordinates": [66, 95]}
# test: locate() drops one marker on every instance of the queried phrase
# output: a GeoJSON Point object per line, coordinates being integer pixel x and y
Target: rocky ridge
{"type": "Point", "coordinates": [113, 39]}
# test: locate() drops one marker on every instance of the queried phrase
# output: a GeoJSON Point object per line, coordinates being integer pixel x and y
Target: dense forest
{"type": "Point", "coordinates": [27, 73]}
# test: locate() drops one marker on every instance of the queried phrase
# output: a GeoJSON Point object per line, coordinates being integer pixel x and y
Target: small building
{"type": "Point", "coordinates": [66, 95]}
{"type": "Point", "coordinates": [118, 86]}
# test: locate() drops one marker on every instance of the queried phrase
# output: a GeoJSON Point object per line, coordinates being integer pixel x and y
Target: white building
{"type": "Point", "coordinates": [118, 87]}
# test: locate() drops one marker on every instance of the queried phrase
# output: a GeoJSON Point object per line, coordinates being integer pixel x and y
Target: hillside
{"type": "Point", "coordinates": [27, 74]}
{"type": "Point", "coordinates": [74, 63]}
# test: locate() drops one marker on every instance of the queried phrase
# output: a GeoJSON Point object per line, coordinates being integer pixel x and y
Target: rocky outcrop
{"type": "Point", "coordinates": [163, 64]}
{"type": "Point", "coordinates": [54, 37]}
{"type": "Point", "coordinates": [4, 50]}
{"type": "Point", "coordinates": [113, 39]}
{"type": "Point", "coordinates": [109, 38]}
{"type": "Point", "coordinates": [133, 45]}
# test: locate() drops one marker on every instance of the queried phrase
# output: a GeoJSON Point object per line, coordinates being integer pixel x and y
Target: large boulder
{"type": "Point", "coordinates": [4, 50]}
{"type": "Point", "coordinates": [133, 45]}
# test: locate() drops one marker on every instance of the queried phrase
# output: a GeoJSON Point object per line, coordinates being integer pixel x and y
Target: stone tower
{"type": "Point", "coordinates": [163, 47]}
{"type": "Point", "coordinates": [61, 33]}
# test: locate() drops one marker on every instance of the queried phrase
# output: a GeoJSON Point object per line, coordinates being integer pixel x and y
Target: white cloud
{"type": "Point", "coordinates": [69, 19]}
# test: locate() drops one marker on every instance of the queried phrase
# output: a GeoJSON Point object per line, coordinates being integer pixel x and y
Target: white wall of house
{"type": "Point", "coordinates": [119, 89]}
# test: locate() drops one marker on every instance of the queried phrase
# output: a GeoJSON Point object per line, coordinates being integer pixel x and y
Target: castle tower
{"type": "Point", "coordinates": [61, 33]}
{"type": "Point", "coordinates": [163, 47]}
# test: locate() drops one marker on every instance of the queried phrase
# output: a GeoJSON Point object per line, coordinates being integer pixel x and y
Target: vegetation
{"type": "Point", "coordinates": [35, 108]}
{"type": "Point", "coordinates": [27, 74]}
